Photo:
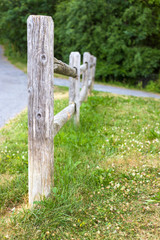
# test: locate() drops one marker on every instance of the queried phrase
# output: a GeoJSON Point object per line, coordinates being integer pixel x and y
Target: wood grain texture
{"type": "Point", "coordinates": [86, 74]}
{"type": "Point", "coordinates": [83, 94]}
{"type": "Point", "coordinates": [62, 117]}
{"type": "Point", "coordinates": [64, 69]}
{"type": "Point", "coordinates": [72, 81]}
{"type": "Point", "coordinates": [74, 90]}
{"type": "Point", "coordinates": [93, 73]}
{"type": "Point", "coordinates": [92, 64]}
{"type": "Point", "coordinates": [40, 106]}
{"type": "Point", "coordinates": [83, 68]}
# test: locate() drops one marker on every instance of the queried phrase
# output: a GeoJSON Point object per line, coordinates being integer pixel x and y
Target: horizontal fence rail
{"type": "Point", "coordinates": [62, 117]}
{"type": "Point", "coordinates": [66, 70]}
{"type": "Point", "coordinates": [42, 124]}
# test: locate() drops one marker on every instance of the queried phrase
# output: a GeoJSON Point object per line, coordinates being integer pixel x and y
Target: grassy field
{"type": "Point", "coordinates": [107, 175]}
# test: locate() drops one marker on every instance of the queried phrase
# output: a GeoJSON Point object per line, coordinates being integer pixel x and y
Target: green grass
{"type": "Point", "coordinates": [107, 175]}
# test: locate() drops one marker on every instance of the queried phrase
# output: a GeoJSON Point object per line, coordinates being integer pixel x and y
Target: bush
{"type": "Point", "coordinates": [153, 86]}
{"type": "Point", "coordinates": [13, 18]}
{"type": "Point", "coordinates": [123, 35]}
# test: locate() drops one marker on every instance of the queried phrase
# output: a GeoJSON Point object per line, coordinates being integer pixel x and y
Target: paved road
{"type": "Point", "coordinates": [13, 90]}
{"type": "Point", "coordinates": [110, 89]}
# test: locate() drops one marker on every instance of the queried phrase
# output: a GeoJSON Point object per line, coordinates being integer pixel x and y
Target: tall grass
{"type": "Point", "coordinates": [105, 175]}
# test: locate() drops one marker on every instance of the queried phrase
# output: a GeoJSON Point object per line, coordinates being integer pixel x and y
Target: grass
{"type": "Point", "coordinates": [107, 174]}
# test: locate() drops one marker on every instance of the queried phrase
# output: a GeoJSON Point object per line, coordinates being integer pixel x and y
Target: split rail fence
{"type": "Point", "coordinates": [42, 124]}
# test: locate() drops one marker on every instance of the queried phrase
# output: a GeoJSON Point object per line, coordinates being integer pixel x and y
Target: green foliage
{"type": "Point", "coordinates": [13, 18]}
{"type": "Point", "coordinates": [123, 35]}
{"type": "Point", "coordinates": [147, 2]}
{"type": "Point", "coordinates": [153, 86]}
{"type": "Point", "coordinates": [101, 176]}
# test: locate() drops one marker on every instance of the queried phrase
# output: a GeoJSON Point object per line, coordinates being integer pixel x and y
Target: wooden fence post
{"type": "Point", "coordinates": [86, 74]}
{"type": "Point", "coordinates": [91, 75]}
{"type": "Point", "coordinates": [74, 90]}
{"type": "Point", "coordinates": [40, 106]}
{"type": "Point", "coordinates": [93, 72]}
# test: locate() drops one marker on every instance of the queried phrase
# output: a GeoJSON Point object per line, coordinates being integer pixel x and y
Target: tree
{"type": "Point", "coordinates": [13, 17]}
{"type": "Point", "coordinates": [123, 35]}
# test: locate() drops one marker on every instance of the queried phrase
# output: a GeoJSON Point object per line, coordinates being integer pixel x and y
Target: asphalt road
{"type": "Point", "coordinates": [13, 90]}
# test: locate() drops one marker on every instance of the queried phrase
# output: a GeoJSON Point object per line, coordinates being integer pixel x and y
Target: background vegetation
{"type": "Point", "coordinates": [123, 35]}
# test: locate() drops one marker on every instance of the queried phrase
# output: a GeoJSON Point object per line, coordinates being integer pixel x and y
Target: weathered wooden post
{"type": "Point", "coordinates": [86, 74]}
{"type": "Point", "coordinates": [93, 72]}
{"type": "Point", "coordinates": [90, 75]}
{"type": "Point", "coordinates": [40, 106]}
{"type": "Point", "coordinates": [74, 90]}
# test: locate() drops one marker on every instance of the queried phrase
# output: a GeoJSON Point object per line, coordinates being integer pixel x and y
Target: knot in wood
{"type": "Point", "coordinates": [39, 115]}
{"type": "Point", "coordinates": [43, 58]}
{"type": "Point", "coordinates": [29, 90]}
{"type": "Point", "coordinates": [76, 71]}
{"type": "Point", "coordinates": [30, 24]}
